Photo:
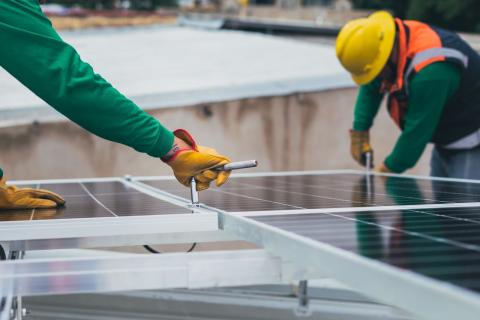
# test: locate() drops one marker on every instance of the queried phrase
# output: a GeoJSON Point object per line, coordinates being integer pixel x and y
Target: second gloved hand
{"type": "Point", "coordinates": [12, 197]}
{"type": "Point", "coordinates": [360, 146]}
{"type": "Point", "coordinates": [382, 168]}
{"type": "Point", "coordinates": [196, 161]}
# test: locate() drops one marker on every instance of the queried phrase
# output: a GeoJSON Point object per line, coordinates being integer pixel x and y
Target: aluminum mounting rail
{"type": "Point", "coordinates": [143, 272]}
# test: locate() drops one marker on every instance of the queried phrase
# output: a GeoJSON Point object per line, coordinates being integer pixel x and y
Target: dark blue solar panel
{"type": "Point", "coordinates": [440, 243]}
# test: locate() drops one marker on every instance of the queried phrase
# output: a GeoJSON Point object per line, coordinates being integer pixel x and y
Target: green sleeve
{"type": "Point", "coordinates": [430, 90]}
{"type": "Point", "coordinates": [34, 53]}
{"type": "Point", "coordinates": [367, 105]}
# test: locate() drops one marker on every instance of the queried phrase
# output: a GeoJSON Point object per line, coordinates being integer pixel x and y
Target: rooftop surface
{"type": "Point", "coordinates": [174, 66]}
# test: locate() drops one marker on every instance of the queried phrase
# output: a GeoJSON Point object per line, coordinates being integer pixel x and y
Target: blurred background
{"type": "Point", "coordinates": [451, 14]}
{"type": "Point", "coordinates": [254, 79]}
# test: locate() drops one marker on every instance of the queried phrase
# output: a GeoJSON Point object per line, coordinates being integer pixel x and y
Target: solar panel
{"type": "Point", "coordinates": [326, 191]}
{"type": "Point", "coordinates": [354, 226]}
{"type": "Point", "coordinates": [94, 200]}
{"type": "Point", "coordinates": [441, 243]}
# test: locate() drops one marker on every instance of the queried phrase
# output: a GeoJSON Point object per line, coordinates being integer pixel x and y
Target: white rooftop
{"type": "Point", "coordinates": [174, 66]}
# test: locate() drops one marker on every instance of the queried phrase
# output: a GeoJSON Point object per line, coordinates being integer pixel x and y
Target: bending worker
{"type": "Point", "coordinates": [431, 78]}
{"type": "Point", "coordinates": [34, 53]}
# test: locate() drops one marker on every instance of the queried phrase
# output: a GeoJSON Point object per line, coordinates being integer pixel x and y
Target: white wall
{"type": "Point", "coordinates": [296, 132]}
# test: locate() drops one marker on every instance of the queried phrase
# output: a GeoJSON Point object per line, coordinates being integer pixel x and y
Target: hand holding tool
{"type": "Point", "coordinates": [12, 197]}
{"type": "Point", "coordinates": [360, 147]}
{"type": "Point", "coordinates": [198, 162]}
{"type": "Point", "coordinates": [227, 167]}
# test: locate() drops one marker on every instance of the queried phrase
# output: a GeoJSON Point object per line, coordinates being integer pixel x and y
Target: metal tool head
{"type": "Point", "coordinates": [228, 167]}
{"type": "Point", "coordinates": [194, 193]}
{"type": "Point", "coordinates": [368, 161]}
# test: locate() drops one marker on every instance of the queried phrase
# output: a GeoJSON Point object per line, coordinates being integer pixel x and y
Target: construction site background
{"type": "Point", "coordinates": [78, 18]}
{"type": "Point", "coordinates": [334, 15]}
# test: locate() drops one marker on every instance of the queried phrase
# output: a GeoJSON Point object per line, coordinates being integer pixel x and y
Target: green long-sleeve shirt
{"type": "Point", "coordinates": [33, 52]}
{"type": "Point", "coordinates": [429, 92]}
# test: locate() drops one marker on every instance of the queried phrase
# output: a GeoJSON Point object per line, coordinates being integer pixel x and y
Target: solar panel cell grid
{"type": "Point", "coordinates": [95, 199]}
{"type": "Point", "coordinates": [325, 191]}
{"type": "Point", "coordinates": [439, 243]}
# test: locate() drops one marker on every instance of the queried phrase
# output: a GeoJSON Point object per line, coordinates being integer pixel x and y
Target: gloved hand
{"type": "Point", "coordinates": [12, 197]}
{"type": "Point", "coordinates": [360, 146]}
{"type": "Point", "coordinates": [382, 168]}
{"type": "Point", "coordinates": [196, 161]}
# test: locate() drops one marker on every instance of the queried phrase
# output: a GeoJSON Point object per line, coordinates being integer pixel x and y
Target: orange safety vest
{"type": "Point", "coordinates": [420, 45]}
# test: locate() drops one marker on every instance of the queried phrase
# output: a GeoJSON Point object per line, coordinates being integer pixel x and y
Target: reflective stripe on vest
{"type": "Point", "coordinates": [468, 142]}
{"type": "Point", "coordinates": [430, 56]}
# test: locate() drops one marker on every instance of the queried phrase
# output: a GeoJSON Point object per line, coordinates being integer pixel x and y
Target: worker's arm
{"type": "Point", "coordinates": [430, 90]}
{"type": "Point", "coordinates": [35, 54]}
{"type": "Point", "coordinates": [367, 105]}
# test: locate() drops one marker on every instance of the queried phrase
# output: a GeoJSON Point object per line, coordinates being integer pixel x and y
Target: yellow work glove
{"type": "Point", "coordinates": [360, 146]}
{"type": "Point", "coordinates": [382, 168]}
{"type": "Point", "coordinates": [12, 197]}
{"type": "Point", "coordinates": [197, 162]}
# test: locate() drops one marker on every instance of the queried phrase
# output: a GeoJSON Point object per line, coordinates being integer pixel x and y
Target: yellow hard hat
{"type": "Point", "coordinates": [364, 45]}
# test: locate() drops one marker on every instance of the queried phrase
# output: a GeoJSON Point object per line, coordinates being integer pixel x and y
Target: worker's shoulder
{"type": "Point", "coordinates": [441, 70]}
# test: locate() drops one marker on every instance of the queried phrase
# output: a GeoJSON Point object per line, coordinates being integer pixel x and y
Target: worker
{"type": "Point", "coordinates": [431, 78]}
{"type": "Point", "coordinates": [33, 52]}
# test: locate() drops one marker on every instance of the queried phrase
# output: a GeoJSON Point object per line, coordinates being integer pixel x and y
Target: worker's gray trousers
{"type": "Point", "coordinates": [460, 164]}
